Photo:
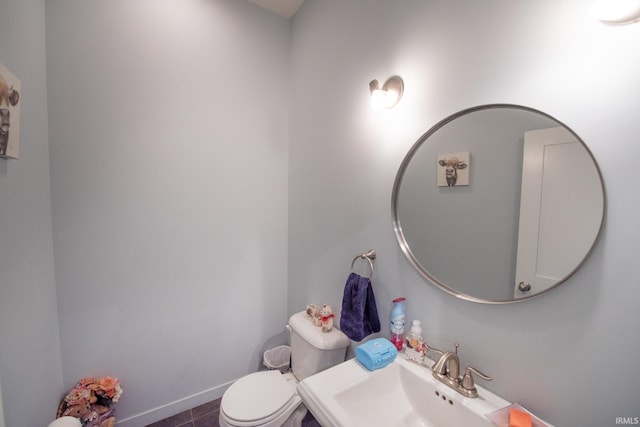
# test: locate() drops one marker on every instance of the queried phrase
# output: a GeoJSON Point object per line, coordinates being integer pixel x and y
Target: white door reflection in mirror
{"type": "Point", "coordinates": [560, 200]}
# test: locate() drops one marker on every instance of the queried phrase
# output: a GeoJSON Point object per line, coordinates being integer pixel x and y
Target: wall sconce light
{"type": "Point", "coordinates": [616, 12]}
{"type": "Point", "coordinates": [387, 96]}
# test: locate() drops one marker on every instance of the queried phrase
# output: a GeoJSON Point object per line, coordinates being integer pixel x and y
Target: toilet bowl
{"type": "Point", "coordinates": [269, 398]}
{"type": "Point", "coordinates": [66, 422]}
{"type": "Point", "coordinates": [266, 398]}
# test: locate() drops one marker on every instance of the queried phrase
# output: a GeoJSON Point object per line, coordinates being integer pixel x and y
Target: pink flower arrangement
{"type": "Point", "coordinates": [93, 401]}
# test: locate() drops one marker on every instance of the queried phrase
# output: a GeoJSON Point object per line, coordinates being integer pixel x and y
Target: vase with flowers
{"type": "Point", "coordinates": [92, 401]}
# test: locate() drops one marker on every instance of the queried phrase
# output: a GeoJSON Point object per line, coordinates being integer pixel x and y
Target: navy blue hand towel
{"type": "Point", "coordinates": [359, 316]}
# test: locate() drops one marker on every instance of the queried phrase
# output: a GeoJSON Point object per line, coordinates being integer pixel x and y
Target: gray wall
{"type": "Point", "coordinates": [155, 253]}
{"type": "Point", "coordinates": [571, 355]}
{"type": "Point", "coordinates": [169, 139]}
{"type": "Point", "coordinates": [30, 370]}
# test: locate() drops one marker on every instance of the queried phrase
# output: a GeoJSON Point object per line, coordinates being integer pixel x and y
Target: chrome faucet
{"type": "Point", "coordinates": [448, 364]}
{"type": "Point", "coordinates": [447, 371]}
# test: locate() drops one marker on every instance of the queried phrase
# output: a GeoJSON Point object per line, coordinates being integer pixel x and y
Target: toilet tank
{"type": "Point", "coordinates": [312, 350]}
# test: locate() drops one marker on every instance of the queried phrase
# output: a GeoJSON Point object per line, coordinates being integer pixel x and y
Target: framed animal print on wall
{"type": "Point", "coordinates": [453, 169]}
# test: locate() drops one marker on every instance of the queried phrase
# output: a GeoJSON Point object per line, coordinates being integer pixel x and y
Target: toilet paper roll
{"type": "Point", "coordinates": [66, 422]}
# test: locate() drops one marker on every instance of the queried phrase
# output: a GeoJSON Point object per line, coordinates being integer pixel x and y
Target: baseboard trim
{"type": "Point", "coordinates": [165, 411]}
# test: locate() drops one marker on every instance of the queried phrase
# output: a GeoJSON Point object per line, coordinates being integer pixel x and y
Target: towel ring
{"type": "Point", "coordinates": [369, 256]}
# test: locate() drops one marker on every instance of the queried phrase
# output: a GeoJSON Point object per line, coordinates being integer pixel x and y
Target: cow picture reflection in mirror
{"type": "Point", "coordinates": [9, 114]}
{"type": "Point", "coordinates": [453, 169]}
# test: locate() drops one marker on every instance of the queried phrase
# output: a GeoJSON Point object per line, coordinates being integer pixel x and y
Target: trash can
{"type": "Point", "coordinates": [277, 358]}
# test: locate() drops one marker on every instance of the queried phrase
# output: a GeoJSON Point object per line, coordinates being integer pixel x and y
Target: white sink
{"type": "Point", "coordinates": [401, 394]}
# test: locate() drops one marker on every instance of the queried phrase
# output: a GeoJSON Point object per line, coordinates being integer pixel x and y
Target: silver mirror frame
{"type": "Point", "coordinates": [406, 249]}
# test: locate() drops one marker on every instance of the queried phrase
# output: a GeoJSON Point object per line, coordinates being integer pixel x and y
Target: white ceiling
{"type": "Point", "coordinates": [286, 8]}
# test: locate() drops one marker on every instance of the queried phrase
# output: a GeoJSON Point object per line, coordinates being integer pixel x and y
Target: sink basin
{"type": "Point", "coordinates": [401, 394]}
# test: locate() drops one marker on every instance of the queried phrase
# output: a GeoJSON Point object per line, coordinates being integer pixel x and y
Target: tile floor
{"type": "Point", "coordinates": [207, 416]}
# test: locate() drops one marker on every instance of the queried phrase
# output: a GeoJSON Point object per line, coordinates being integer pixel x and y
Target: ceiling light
{"type": "Point", "coordinates": [616, 12]}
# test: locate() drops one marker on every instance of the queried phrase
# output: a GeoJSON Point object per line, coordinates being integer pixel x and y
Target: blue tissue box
{"type": "Point", "coordinates": [376, 354]}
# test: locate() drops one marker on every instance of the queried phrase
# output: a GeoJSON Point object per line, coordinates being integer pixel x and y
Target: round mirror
{"type": "Point", "coordinates": [498, 203]}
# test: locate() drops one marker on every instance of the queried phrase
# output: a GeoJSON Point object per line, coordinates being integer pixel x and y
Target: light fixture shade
{"type": "Point", "coordinates": [389, 95]}
{"type": "Point", "coordinates": [379, 99]}
{"type": "Point", "coordinates": [616, 12]}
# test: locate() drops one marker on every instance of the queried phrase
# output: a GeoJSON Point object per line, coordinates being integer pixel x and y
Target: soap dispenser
{"type": "Point", "coordinates": [415, 343]}
{"type": "Point", "coordinates": [416, 329]}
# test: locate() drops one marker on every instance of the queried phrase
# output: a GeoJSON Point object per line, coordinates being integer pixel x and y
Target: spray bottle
{"type": "Point", "coordinates": [397, 322]}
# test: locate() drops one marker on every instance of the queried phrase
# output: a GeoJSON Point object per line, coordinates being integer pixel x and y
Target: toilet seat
{"type": "Point", "coordinates": [260, 398]}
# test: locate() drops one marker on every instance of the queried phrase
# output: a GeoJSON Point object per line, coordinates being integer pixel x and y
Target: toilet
{"type": "Point", "coordinates": [66, 422]}
{"type": "Point", "coordinates": [269, 398]}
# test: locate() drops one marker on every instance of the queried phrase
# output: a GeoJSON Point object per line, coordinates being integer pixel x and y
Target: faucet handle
{"type": "Point", "coordinates": [467, 380]}
{"type": "Point", "coordinates": [440, 352]}
{"type": "Point", "coordinates": [435, 350]}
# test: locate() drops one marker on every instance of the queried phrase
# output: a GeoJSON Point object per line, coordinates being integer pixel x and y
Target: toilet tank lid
{"type": "Point", "coordinates": [304, 326]}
